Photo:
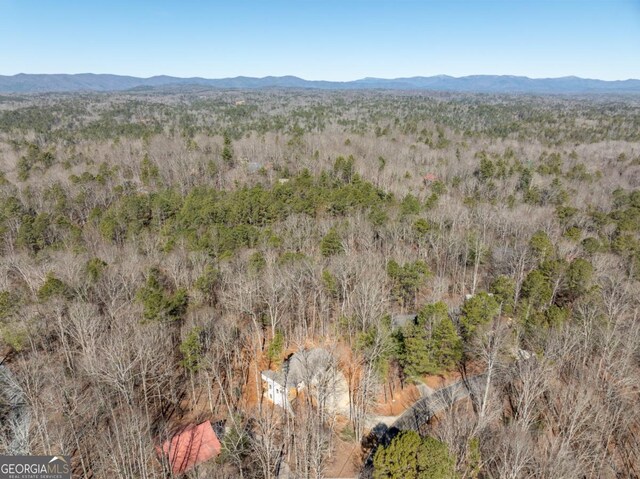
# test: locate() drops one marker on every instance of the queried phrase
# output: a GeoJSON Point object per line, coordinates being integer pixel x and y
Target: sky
{"type": "Point", "coordinates": [322, 39]}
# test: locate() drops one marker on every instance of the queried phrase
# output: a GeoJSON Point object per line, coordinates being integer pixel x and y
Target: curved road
{"type": "Point", "coordinates": [417, 416]}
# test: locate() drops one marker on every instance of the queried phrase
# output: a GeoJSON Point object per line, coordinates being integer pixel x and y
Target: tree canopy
{"type": "Point", "coordinates": [411, 456]}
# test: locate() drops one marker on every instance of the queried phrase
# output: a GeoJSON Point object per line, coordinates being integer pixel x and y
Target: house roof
{"type": "Point", "coordinates": [307, 365]}
{"type": "Point", "coordinates": [401, 320]}
{"type": "Point", "coordinates": [191, 447]}
{"type": "Point", "coordinates": [304, 366]}
{"type": "Point", "coordinates": [275, 376]}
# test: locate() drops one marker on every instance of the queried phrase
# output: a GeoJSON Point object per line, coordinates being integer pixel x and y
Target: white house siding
{"type": "Point", "coordinates": [275, 392]}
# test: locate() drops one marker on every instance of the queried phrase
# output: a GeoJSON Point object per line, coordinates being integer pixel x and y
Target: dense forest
{"type": "Point", "coordinates": [159, 249]}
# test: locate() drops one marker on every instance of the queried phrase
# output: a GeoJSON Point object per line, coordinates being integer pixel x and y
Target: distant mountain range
{"type": "Point", "coordinates": [36, 83]}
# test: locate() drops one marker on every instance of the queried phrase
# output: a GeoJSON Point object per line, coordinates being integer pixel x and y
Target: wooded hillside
{"type": "Point", "coordinates": [160, 250]}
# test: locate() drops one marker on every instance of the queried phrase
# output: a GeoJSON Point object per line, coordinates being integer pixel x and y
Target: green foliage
{"type": "Point", "coordinates": [620, 198]}
{"type": "Point", "coordinates": [524, 183]}
{"type": "Point", "coordinates": [570, 281]}
{"type": "Point", "coordinates": [14, 335]}
{"type": "Point", "coordinates": [554, 271]}
{"type": "Point", "coordinates": [541, 246]}
{"type": "Point", "coordinates": [411, 456]}
{"type": "Point", "coordinates": [330, 283]}
{"type": "Point", "coordinates": [227, 150]}
{"type": "Point", "coordinates": [537, 289]}
{"type": "Point", "coordinates": [442, 141]}
{"type": "Point", "coordinates": [573, 233]}
{"type": "Point", "coordinates": [34, 158]}
{"type": "Point", "coordinates": [36, 232]}
{"type": "Point", "coordinates": [432, 345]}
{"type": "Point", "coordinates": [432, 314]}
{"type": "Point", "coordinates": [235, 444]}
{"type": "Point", "coordinates": [504, 290]}
{"type": "Point", "coordinates": [206, 283]}
{"type": "Point", "coordinates": [533, 196]}
{"type": "Point", "coordinates": [410, 205]}
{"type": "Point", "coordinates": [220, 222]}
{"type": "Point", "coordinates": [54, 287]}
{"type": "Point", "coordinates": [224, 221]}
{"type": "Point", "coordinates": [257, 262]}
{"type": "Point", "coordinates": [486, 169]}
{"type": "Point", "coordinates": [431, 201]}
{"type": "Point", "coordinates": [476, 311]}
{"type": "Point", "coordinates": [566, 213]}
{"type": "Point", "coordinates": [379, 344]}
{"type": "Point", "coordinates": [591, 245]}
{"type": "Point", "coordinates": [192, 350]}
{"type": "Point", "coordinates": [57, 198]}
{"type": "Point", "coordinates": [579, 277]}
{"type": "Point", "coordinates": [421, 227]}
{"type": "Point", "coordinates": [556, 193]}
{"type": "Point", "coordinates": [290, 257]}
{"type": "Point", "coordinates": [579, 172]}
{"type": "Point", "coordinates": [415, 357]}
{"type": "Point", "coordinates": [550, 164]}
{"type": "Point", "coordinates": [473, 460]}
{"type": "Point", "coordinates": [446, 345]}
{"type": "Point", "coordinates": [9, 304]}
{"type": "Point", "coordinates": [94, 268]}
{"type": "Point", "coordinates": [627, 216]}
{"type": "Point", "coordinates": [276, 346]}
{"type": "Point", "coordinates": [625, 245]}
{"type": "Point", "coordinates": [128, 217]}
{"type": "Point", "coordinates": [555, 315]}
{"type": "Point", "coordinates": [478, 252]}
{"type": "Point", "coordinates": [219, 214]}
{"type": "Point", "coordinates": [160, 305]}
{"type": "Point", "coordinates": [407, 279]}
{"type": "Point", "coordinates": [438, 188]}
{"type": "Point", "coordinates": [378, 216]}
{"type": "Point", "coordinates": [331, 243]}
{"type": "Point", "coordinates": [149, 171]}
{"type": "Point", "coordinates": [344, 169]}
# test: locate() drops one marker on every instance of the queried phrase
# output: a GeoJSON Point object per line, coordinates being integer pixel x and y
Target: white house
{"type": "Point", "coordinates": [275, 390]}
{"type": "Point", "coordinates": [314, 370]}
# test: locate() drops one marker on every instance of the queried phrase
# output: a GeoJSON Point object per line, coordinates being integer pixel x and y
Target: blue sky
{"type": "Point", "coordinates": [322, 39]}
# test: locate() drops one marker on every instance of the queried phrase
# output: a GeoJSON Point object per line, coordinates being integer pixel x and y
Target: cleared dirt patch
{"type": "Point", "coordinates": [402, 400]}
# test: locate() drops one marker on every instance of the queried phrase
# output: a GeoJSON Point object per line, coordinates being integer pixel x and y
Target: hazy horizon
{"type": "Point", "coordinates": [322, 79]}
{"type": "Point", "coordinates": [332, 41]}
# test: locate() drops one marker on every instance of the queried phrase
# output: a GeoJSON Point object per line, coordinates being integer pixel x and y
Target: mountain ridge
{"type": "Point", "coordinates": [104, 82]}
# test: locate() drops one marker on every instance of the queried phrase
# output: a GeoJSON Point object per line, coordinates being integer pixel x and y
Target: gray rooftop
{"type": "Point", "coordinates": [401, 320]}
{"type": "Point", "coordinates": [302, 367]}
{"type": "Point", "coordinates": [276, 376]}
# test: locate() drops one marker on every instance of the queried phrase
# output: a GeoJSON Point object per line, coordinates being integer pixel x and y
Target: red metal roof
{"type": "Point", "coordinates": [430, 177]}
{"type": "Point", "coordinates": [191, 447]}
